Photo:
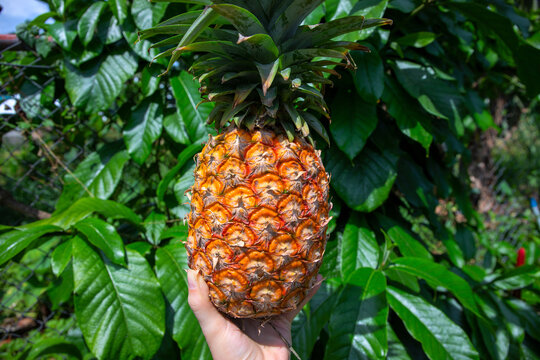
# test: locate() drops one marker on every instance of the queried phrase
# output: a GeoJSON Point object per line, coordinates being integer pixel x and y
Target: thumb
{"type": "Point", "coordinates": [210, 319]}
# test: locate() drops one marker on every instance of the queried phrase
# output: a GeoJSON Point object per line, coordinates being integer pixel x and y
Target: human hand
{"type": "Point", "coordinates": [238, 339]}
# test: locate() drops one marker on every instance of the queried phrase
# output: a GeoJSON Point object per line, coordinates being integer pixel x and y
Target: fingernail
{"type": "Point", "coordinates": [190, 280]}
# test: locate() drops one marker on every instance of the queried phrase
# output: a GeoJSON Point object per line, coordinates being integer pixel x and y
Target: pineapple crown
{"type": "Point", "coordinates": [259, 65]}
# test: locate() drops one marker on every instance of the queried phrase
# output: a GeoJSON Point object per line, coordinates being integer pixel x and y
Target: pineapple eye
{"type": "Point", "coordinates": [266, 291]}
{"type": "Point", "coordinates": [230, 280]}
{"type": "Point", "coordinates": [255, 260]}
{"type": "Point", "coordinates": [295, 271]}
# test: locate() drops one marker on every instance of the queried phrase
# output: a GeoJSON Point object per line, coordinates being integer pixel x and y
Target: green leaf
{"type": "Point", "coordinates": [358, 329]}
{"type": "Point", "coordinates": [288, 21]}
{"type": "Point", "coordinates": [119, 310]}
{"type": "Point", "coordinates": [436, 96]}
{"type": "Point", "coordinates": [411, 120]}
{"type": "Point", "coordinates": [408, 245]}
{"type": "Point", "coordinates": [396, 350]}
{"type": "Point", "coordinates": [119, 9]}
{"type": "Point", "coordinates": [417, 40]}
{"type": "Point", "coordinates": [358, 247]}
{"type": "Point", "coordinates": [149, 81]}
{"type": "Point", "coordinates": [368, 76]}
{"type": "Point", "coordinates": [185, 156]}
{"type": "Point", "coordinates": [82, 208]}
{"type": "Point", "coordinates": [104, 237]}
{"type": "Point", "coordinates": [527, 57]}
{"type": "Point", "coordinates": [145, 14]}
{"type": "Point", "coordinates": [171, 262]}
{"type": "Point", "coordinates": [86, 27]}
{"type": "Point", "coordinates": [63, 33]}
{"type": "Point", "coordinates": [516, 278]}
{"type": "Point", "coordinates": [207, 17]}
{"type": "Point", "coordinates": [367, 9]}
{"type": "Point", "coordinates": [366, 184]}
{"type": "Point", "coordinates": [142, 247]}
{"type": "Point", "coordinates": [308, 325]}
{"type": "Point", "coordinates": [59, 292]}
{"type": "Point", "coordinates": [261, 48]}
{"type": "Point", "coordinates": [96, 86]}
{"type": "Point", "coordinates": [61, 256]}
{"type": "Point", "coordinates": [96, 176]}
{"type": "Point", "coordinates": [179, 231]}
{"type": "Point", "coordinates": [528, 317]}
{"type": "Point", "coordinates": [143, 129]}
{"type": "Point", "coordinates": [15, 241]}
{"type": "Point", "coordinates": [439, 336]}
{"type": "Point", "coordinates": [245, 22]}
{"type": "Point", "coordinates": [53, 346]}
{"type": "Point", "coordinates": [321, 33]}
{"type": "Point", "coordinates": [353, 121]}
{"type": "Point", "coordinates": [437, 275]}
{"type": "Point", "coordinates": [191, 120]}
{"type": "Point", "coordinates": [155, 223]}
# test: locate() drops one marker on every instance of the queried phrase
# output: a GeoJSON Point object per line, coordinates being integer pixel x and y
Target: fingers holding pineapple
{"type": "Point", "coordinates": [250, 338]}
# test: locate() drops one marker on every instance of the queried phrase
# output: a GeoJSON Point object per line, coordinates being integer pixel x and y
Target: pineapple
{"type": "Point", "coordinates": [260, 204]}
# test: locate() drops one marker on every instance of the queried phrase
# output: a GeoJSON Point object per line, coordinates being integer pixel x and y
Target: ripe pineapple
{"type": "Point", "coordinates": [259, 205]}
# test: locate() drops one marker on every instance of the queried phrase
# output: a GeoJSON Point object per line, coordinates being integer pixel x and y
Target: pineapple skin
{"type": "Point", "coordinates": [258, 220]}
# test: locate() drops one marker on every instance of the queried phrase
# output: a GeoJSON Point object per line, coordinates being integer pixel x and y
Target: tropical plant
{"type": "Point", "coordinates": [403, 279]}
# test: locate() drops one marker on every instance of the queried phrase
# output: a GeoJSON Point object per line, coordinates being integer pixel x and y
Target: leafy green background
{"type": "Point", "coordinates": [405, 279]}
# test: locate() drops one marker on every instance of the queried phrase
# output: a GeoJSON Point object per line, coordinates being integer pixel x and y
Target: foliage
{"type": "Point", "coordinates": [403, 281]}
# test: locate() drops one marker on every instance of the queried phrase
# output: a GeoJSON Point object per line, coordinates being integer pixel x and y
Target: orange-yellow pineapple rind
{"type": "Point", "coordinates": [257, 225]}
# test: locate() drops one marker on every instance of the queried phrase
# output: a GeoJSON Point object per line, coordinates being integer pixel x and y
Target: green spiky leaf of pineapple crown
{"type": "Point", "coordinates": [257, 63]}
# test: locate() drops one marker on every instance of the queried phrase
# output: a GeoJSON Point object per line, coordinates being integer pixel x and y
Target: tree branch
{"type": "Point", "coordinates": [7, 200]}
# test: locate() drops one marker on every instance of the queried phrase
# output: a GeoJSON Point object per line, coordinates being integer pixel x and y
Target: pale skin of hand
{"type": "Point", "coordinates": [225, 338]}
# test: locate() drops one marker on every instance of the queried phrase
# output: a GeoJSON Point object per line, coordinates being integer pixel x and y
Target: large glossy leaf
{"type": "Point", "coordinates": [145, 14]}
{"type": "Point", "coordinates": [411, 120]}
{"type": "Point", "coordinates": [307, 326]}
{"type": "Point", "coordinates": [407, 244]}
{"type": "Point", "coordinates": [104, 237]}
{"type": "Point", "coordinates": [61, 290]}
{"type": "Point", "coordinates": [154, 224]}
{"type": "Point", "coordinates": [191, 120]}
{"type": "Point", "coordinates": [418, 39]}
{"type": "Point", "coordinates": [96, 176]}
{"type": "Point", "coordinates": [437, 275]}
{"type": "Point", "coordinates": [86, 27]}
{"type": "Point", "coordinates": [84, 207]}
{"type": "Point", "coordinates": [171, 262]}
{"type": "Point", "coordinates": [365, 184]}
{"type": "Point", "coordinates": [368, 9]}
{"type": "Point", "coordinates": [143, 128]}
{"type": "Point", "coordinates": [119, 9]}
{"type": "Point", "coordinates": [358, 247]}
{"type": "Point", "coordinates": [357, 329]}
{"type": "Point", "coordinates": [15, 241]}
{"type": "Point", "coordinates": [368, 76]}
{"type": "Point", "coordinates": [63, 33]}
{"type": "Point", "coordinates": [119, 310]}
{"type": "Point", "coordinates": [52, 346]}
{"type": "Point", "coordinates": [61, 256]}
{"type": "Point", "coordinates": [396, 350]}
{"type": "Point", "coordinates": [96, 86]}
{"type": "Point", "coordinates": [185, 156]}
{"type": "Point", "coordinates": [437, 96]}
{"type": "Point", "coordinates": [439, 336]}
{"type": "Point", "coordinates": [353, 120]}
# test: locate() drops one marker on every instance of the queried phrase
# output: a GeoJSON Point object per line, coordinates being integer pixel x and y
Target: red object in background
{"type": "Point", "coordinates": [519, 262]}
{"type": "Point", "coordinates": [520, 257]}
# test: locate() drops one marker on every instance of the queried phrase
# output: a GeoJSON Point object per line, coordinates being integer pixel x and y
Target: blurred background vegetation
{"type": "Point", "coordinates": [444, 111]}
